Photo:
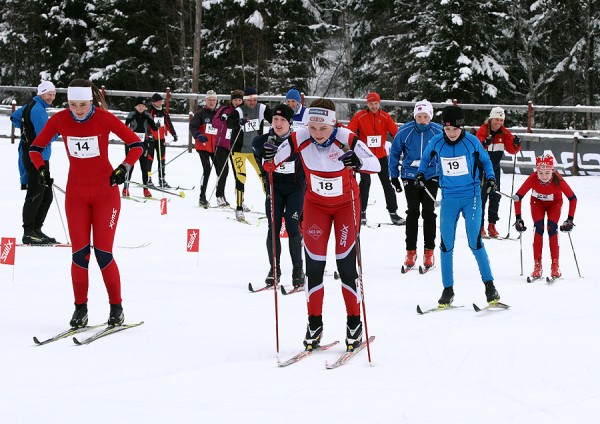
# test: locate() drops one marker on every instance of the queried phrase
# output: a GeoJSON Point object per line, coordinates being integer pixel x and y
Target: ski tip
{"type": "Point", "coordinates": [36, 341]}
{"type": "Point", "coordinates": [250, 287]}
{"type": "Point", "coordinates": [283, 292]}
{"type": "Point", "coordinates": [419, 311]}
{"type": "Point", "coordinates": [77, 342]}
{"type": "Point", "coordinates": [477, 308]}
{"type": "Point", "coordinates": [421, 270]}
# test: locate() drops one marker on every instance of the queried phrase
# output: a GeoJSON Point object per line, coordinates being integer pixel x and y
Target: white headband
{"type": "Point", "coordinates": [251, 96]}
{"type": "Point", "coordinates": [79, 93]}
{"type": "Point", "coordinates": [321, 116]}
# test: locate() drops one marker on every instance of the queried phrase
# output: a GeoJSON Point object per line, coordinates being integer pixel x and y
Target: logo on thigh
{"type": "Point", "coordinates": [314, 231]}
{"type": "Point", "coordinates": [113, 219]}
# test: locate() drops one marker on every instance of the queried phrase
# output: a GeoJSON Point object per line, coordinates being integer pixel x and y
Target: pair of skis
{"type": "Point", "coordinates": [342, 359]}
{"type": "Point", "coordinates": [549, 280]}
{"type": "Point", "coordinates": [104, 331]}
{"type": "Point", "coordinates": [284, 291]}
{"type": "Point", "coordinates": [139, 246]}
{"type": "Point", "coordinates": [422, 269]}
{"type": "Point", "coordinates": [494, 305]}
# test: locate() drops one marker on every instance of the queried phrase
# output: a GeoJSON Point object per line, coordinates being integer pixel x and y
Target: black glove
{"type": "Point", "coordinates": [489, 140]}
{"type": "Point", "coordinates": [520, 225]}
{"type": "Point", "coordinates": [243, 121]}
{"type": "Point", "coordinates": [567, 226]}
{"type": "Point", "coordinates": [420, 181]}
{"type": "Point", "coordinates": [516, 141]}
{"type": "Point", "coordinates": [44, 176]}
{"type": "Point", "coordinates": [202, 139]}
{"type": "Point", "coordinates": [269, 150]}
{"type": "Point", "coordinates": [119, 175]}
{"type": "Point", "coordinates": [350, 159]}
{"type": "Point", "coordinates": [224, 117]}
{"type": "Point", "coordinates": [492, 187]}
{"type": "Point", "coordinates": [397, 184]}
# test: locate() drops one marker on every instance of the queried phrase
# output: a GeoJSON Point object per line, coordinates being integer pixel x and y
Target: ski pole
{"type": "Point", "coordinates": [574, 255]}
{"type": "Point", "coordinates": [521, 250]}
{"type": "Point", "coordinates": [184, 151]}
{"type": "Point", "coordinates": [436, 203]}
{"type": "Point", "coordinates": [59, 213]}
{"type": "Point", "coordinates": [274, 258]}
{"type": "Point", "coordinates": [224, 166]}
{"type": "Point", "coordinates": [162, 190]}
{"type": "Point", "coordinates": [512, 188]}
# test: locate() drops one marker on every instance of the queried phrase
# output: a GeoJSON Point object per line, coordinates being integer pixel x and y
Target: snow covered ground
{"type": "Point", "coordinates": [206, 353]}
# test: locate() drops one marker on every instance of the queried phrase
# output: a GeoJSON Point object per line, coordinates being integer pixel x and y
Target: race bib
{"type": "Point", "coordinates": [141, 136]}
{"type": "Point", "coordinates": [251, 125]}
{"type": "Point", "coordinates": [416, 163]}
{"type": "Point", "coordinates": [228, 134]}
{"type": "Point", "coordinates": [542, 196]}
{"type": "Point", "coordinates": [209, 129]}
{"type": "Point", "coordinates": [326, 187]}
{"type": "Point", "coordinates": [159, 120]}
{"type": "Point", "coordinates": [286, 168]}
{"type": "Point", "coordinates": [453, 167]}
{"type": "Point", "coordinates": [374, 140]}
{"type": "Point", "coordinates": [83, 147]}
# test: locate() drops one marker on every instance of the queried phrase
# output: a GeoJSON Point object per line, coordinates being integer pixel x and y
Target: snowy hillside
{"type": "Point", "coordinates": [206, 353]}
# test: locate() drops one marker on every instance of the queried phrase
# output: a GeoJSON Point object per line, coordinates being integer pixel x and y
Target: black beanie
{"type": "Point", "coordinates": [284, 111]}
{"type": "Point", "coordinates": [140, 101]}
{"type": "Point", "coordinates": [453, 116]}
{"type": "Point", "coordinates": [156, 97]}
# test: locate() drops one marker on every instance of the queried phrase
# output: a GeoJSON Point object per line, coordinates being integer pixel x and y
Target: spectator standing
{"type": "Point", "coordinates": [156, 140]}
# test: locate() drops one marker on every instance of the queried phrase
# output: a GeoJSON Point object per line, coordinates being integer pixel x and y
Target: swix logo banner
{"type": "Point", "coordinates": [163, 206]}
{"type": "Point", "coordinates": [193, 240]}
{"type": "Point", "coordinates": [7, 251]}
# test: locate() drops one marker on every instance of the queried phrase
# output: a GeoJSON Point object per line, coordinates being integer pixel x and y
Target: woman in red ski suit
{"type": "Point", "coordinates": [330, 156]}
{"type": "Point", "coordinates": [547, 188]}
{"type": "Point", "coordinates": [92, 199]}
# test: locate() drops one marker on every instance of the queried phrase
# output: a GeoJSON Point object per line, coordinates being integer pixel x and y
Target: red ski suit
{"type": "Point", "coordinates": [91, 203]}
{"type": "Point", "coordinates": [330, 194]}
{"type": "Point", "coordinates": [546, 199]}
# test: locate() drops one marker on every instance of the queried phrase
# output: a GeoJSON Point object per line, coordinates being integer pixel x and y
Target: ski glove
{"type": "Point", "coordinates": [350, 159]}
{"type": "Point", "coordinates": [492, 187]}
{"type": "Point", "coordinates": [489, 140]}
{"type": "Point", "coordinates": [567, 226]}
{"type": "Point", "coordinates": [269, 150]}
{"type": "Point", "coordinates": [397, 184]}
{"type": "Point", "coordinates": [420, 181]}
{"type": "Point", "coordinates": [44, 176]}
{"type": "Point", "coordinates": [119, 175]}
{"type": "Point", "coordinates": [520, 225]}
{"type": "Point", "coordinates": [223, 117]}
{"type": "Point", "coordinates": [243, 121]}
{"type": "Point", "coordinates": [202, 139]}
{"type": "Point", "coordinates": [516, 141]}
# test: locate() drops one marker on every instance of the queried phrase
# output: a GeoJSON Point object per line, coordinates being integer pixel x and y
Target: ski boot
{"type": "Point", "coordinates": [411, 258]}
{"type": "Point", "coordinates": [492, 232]}
{"type": "Point", "coordinates": [537, 269]}
{"type": "Point", "coordinates": [428, 258]}
{"type": "Point", "coordinates": [490, 292]}
{"type": "Point", "coordinates": [397, 219]}
{"type": "Point", "coordinates": [45, 238]}
{"type": "Point", "coordinates": [314, 332]}
{"type": "Point", "coordinates": [269, 281]}
{"type": "Point", "coordinates": [483, 233]}
{"type": "Point", "coordinates": [80, 316]}
{"type": "Point", "coordinates": [32, 237]}
{"type": "Point", "coordinates": [150, 183]}
{"type": "Point", "coordinates": [239, 215]}
{"type": "Point", "coordinates": [116, 316]}
{"type": "Point", "coordinates": [354, 330]}
{"type": "Point", "coordinates": [222, 202]}
{"type": "Point", "coordinates": [163, 183]}
{"type": "Point", "coordinates": [298, 275]}
{"type": "Point", "coordinates": [203, 203]}
{"type": "Point", "coordinates": [447, 297]}
{"type": "Point", "coordinates": [147, 193]}
{"type": "Point", "coordinates": [554, 269]}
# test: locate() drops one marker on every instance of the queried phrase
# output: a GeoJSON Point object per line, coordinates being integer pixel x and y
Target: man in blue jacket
{"type": "Point", "coordinates": [410, 141]}
{"type": "Point", "coordinates": [31, 118]}
{"type": "Point", "coordinates": [460, 158]}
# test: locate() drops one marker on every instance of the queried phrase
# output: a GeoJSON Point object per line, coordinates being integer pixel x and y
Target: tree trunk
{"type": "Point", "coordinates": [196, 67]}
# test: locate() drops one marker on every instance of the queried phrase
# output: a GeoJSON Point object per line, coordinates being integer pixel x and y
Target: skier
{"type": "Point", "coordinates": [92, 196]}
{"type": "Point", "coordinates": [330, 155]}
{"type": "Point", "coordinates": [294, 100]}
{"type": "Point", "coordinates": [31, 118]}
{"type": "Point", "coordinates": [156, 139]}
{"type": "Point", "coordinates": [547, 188]}
{"type": "Point", "coordinates": [246, 121]}
{"type": "Point", "coordinates": [223, 144]}
{"type": "Point", "coordinates": [289, 185]}
{"type": "Point", "coordinates": [205, 134]}
{"type": "Point", "coordinates": [139, 121]}
{"type": "Point", "coordinates": [372, 125]}
{"type": "Point", "coordinates": [459, 156]}
{"type": "Point", "coordinates": [496, 139]}
{"type": "Point", "coordinates": [410, 141]}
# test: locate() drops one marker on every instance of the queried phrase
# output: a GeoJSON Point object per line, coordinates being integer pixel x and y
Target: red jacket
{"type": "Point", "coordinates": [547, 193]}
{"type": "Point", "coordinates": [372, 129]}
{"type": "Point", "coordinates": [503, 140]}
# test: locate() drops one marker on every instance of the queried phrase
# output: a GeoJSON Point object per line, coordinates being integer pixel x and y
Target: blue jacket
{"type": "Point", "coordinates": [38, 117]}
{"type": "Point", "coordinates": [410, 143]}
{"type": "Point", "coordinates": [460, 164]}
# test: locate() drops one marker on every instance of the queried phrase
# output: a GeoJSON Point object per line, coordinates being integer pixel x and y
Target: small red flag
{"type": "Point", "coordinates": [163, 206]}
{"type": "Point", "coordinates": [193, 240]}
{"type": "Point", "coordinates": [7, 251]}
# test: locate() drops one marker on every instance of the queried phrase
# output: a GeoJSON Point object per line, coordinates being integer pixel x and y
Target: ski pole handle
{"type": "Point", "coordinates": [435, 202]}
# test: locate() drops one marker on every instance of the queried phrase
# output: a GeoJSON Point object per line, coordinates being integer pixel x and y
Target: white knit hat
{"type": "Point", "coordinates": [497, 112]}
{"type": "Point", "coordinates": [45, 87]}
{"type": "Point", "coordinates": [423, 107]}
